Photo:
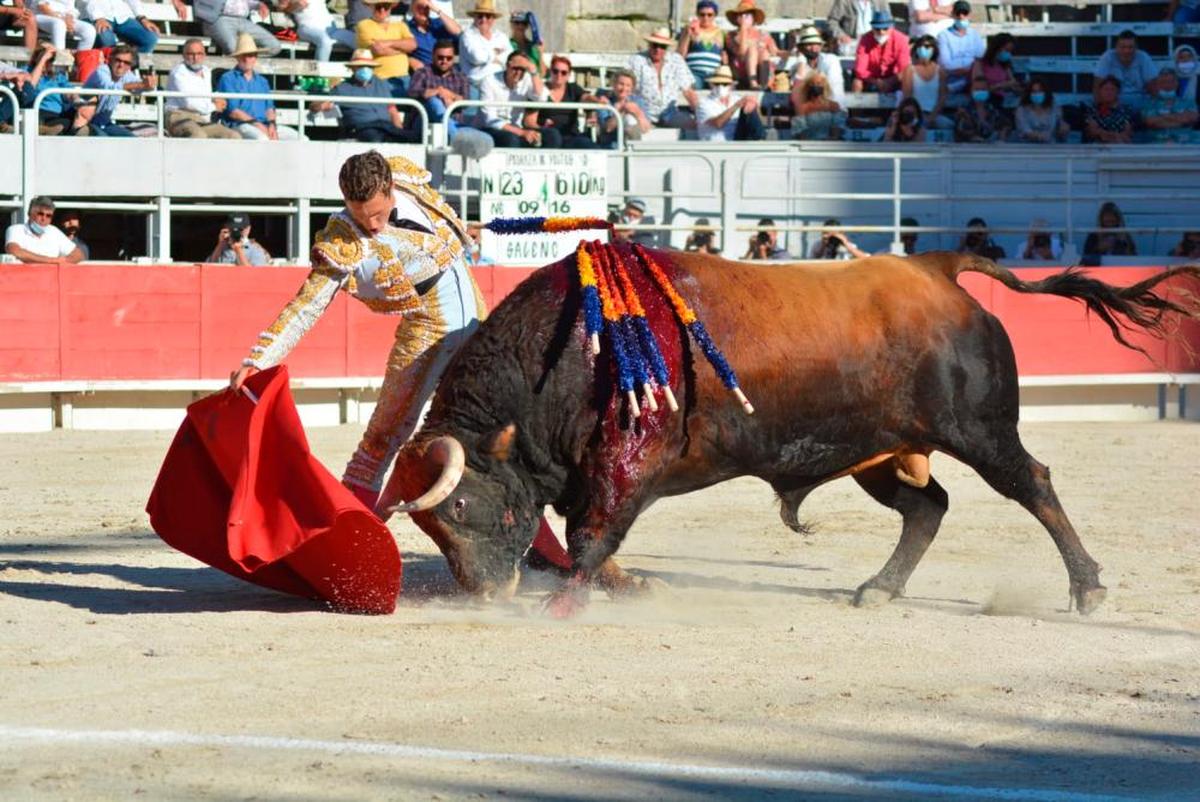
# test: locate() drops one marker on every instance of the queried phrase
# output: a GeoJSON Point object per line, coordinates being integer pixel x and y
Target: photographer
{"type": "Point", "coordinates": [701, 239]}
{"type": "Point", "coordinates": [834, 244]}
{"type": "Point", "coordinates": [234, 246]}
{"type": "Point", "coordinates": [1041, 245]}
{"type": "Point", "coordinates": [765, 244]}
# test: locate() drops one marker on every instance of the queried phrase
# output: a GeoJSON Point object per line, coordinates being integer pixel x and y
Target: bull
{"type": "Point", "coordinates": [858, 369]}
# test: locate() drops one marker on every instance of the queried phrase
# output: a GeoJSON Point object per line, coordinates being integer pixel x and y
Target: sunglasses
{"type": "Point", "coordinates": [706, 14]}
{"type": "Point", "coordinates": [517, 69]}
{"type": "Point", "coordinates": [561, 72]}
{"type": "Point", "coordinates": [444, 58]}
{"type": "Point", "coordinates": [657, 46]}
{"type": "Point", "coordinates": [125, 61]}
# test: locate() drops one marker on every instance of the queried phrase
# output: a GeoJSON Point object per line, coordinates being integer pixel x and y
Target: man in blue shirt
{"type": "Point", "coordinates": [94, 115]}
{"type": "Point", "coordinates": [428, 29]}
{"type": "Point", "coordinates": [253, 119]}
{"type": "Point", "coordinates": [368, 122]}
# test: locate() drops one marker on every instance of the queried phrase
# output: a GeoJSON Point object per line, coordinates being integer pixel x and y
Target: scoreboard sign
{"type": "Point", "coordinates": [533, 183]}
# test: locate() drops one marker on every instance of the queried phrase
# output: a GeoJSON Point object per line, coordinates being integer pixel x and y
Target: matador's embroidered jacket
{"type": "Point", "coordinates": [381, 271]}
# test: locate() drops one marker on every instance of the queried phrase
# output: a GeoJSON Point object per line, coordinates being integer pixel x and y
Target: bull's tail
{"type": "Point", "coordinates": [1136, 307]}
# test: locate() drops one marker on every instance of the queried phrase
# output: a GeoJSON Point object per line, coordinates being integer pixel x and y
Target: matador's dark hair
{"type": "Point", "coordinates": [364, 176]}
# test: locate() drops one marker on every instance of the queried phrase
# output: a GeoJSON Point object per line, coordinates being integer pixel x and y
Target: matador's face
{"type": "Point", "coordinates": [372, 214]}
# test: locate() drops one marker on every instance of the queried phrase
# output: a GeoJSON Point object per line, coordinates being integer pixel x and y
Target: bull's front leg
{"type": "Point", "coordinates": [591, 542]}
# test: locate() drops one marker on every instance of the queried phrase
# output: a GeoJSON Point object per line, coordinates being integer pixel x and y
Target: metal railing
{"type": "Point", "coordinates": [506, 107]}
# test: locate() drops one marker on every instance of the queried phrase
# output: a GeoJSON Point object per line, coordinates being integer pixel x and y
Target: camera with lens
{"type": "Point", "coordinates": [1041, 241]}
{"type": "Point", "coordinates": [762, 238]}
{"type": "Point", "coordinates": [235, 235]}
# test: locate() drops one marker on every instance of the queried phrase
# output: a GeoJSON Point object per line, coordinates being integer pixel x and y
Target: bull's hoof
{"type": "Point", "coordinates": [565, 603]}
{"type": "Point", "coordinates": [639, 587]}
{"type": "Point", "coordinates": [1087, 600]}
{"type": "Point", "coordinates": [872, 596]}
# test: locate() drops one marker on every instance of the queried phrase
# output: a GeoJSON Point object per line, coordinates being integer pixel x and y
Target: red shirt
{"type": "Point", "coordinates": [874, 60]}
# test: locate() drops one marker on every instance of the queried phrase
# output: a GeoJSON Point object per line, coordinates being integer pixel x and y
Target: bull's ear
{"type": "Point", "coordinates": [499, 442]}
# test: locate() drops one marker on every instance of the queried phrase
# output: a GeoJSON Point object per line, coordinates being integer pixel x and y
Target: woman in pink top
{"type": "Point", "coordinates": [996, 67]}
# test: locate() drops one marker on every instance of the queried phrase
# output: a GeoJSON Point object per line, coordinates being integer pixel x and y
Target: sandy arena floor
{"type": "Point", "coordinates": [130, 671]}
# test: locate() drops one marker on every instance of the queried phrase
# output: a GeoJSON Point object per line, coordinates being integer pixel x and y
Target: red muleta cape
{"type": "Point", "coordinates": [241, 491]}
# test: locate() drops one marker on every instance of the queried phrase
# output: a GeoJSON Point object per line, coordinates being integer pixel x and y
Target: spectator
{"type": "Point", "coordinates": [19, 80]}
{"type": "Point", "coordinates": [702, 43]}
{"type": "Point", "coordinates": [1109, 238]}
{"type": "Point", "coordinates": [833, 244]}
{"type": "Point", "coordinates": [882, 55]}
{"type": "Point", "coordinates": [68, 223]}
{"type": "Point", "coordinates": [928, 18]}
{"type": "Point", "coordinates": [429, 28]}
{"type": "Point", "coordinates": [55, 113]}
{"type": "Point", "coordinates": [701, 238]}
{"type": "Point", "coordinates": [959, 46]}
{"type": "Point", "coordinates": [94, 115]}
{"type": "Point", "coordinates": [995, 66]}
{"type": "Point", "coordinates": [368, 122]}
{"type": "Point", "coordinates": [1132, 68]}
{"type": "Point", "coordinates": [225, 21]}
{"type": "Point", "coordinates": [906, 123]}
{"type": "Point", "coordinates": [560, 89]}
{"type": "Point", "coordinates": [388, 40]}
{"type": "Point", "coordinates": [234, 246]}
{"type": "Point", "coordinates": [57, 18]}
{"type": "Point", "coordinates": [252, 119]}
{"type": "Point", "coordinates": [978, 241]}
{"type": "Point", "coordinates": [634, 214]}
{"type": "Point", "coordinates": [1041, 245]}
{"type": "Point", "coordinates": [1185, 68]}
{"type": "Point", "coordinates": [908, 239]}
{"type": "Point", "coordinates": [483, 49]}
{"type": "Point", "coordinates": [815, 113]}
{"type": "Point", "coordinates": [38, 240]}
{"type": "Point", "coordinates": [1107, 120]}
{"type": "Point", "coordinates": [196, 116]}
{"type": "Point", "coordinates": [660, 76]}
{"type": "Point", "coordinates": [627, 112]}
{"type": "Point", "coordinates": [1038, 118]}
{"type": "Point", "coordinates": [850, 20]}
{"type": "Point", "coordinates": [1169, 117]}
{"type": "Point", "coordinates": [981, 120]}
{"type": "Point", "coordinates": [811, 59]}
{"type": "Point", "coordinates": [19, 17]}
{"type": "Point", "coordinates": [1188, 247]}
{"type": "Point", "coordinates": [526, 39]}
{"type": "Point", "coordinates": [439, 85]}
{"type": "Point", "coordinates": [722, 116]}
{"type": "Point", "coordinates": [1182, 12]}
{"type": "Point", "coordinates": [314, 24]}
{"type": "Point", "coordinates": [750, 51]}
{"type": "Point", "coordinates": [764, 244]}
{"type": "Point", "coordinates": [924, 80]}
{"type": "Point", "coordinates": [511, 126]}
{"type": "Point", "coordinates": [122, 18]}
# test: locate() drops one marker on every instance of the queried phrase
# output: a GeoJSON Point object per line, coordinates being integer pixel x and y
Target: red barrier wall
{"type": "Point", "coordinates": [63, 322]}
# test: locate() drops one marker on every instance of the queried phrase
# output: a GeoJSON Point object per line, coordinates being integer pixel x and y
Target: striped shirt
{"type": "Point", "coordinates": [704, 53]}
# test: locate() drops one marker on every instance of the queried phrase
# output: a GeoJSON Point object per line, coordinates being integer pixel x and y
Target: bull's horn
{"type": "Point", "coordinates": [446, 453]}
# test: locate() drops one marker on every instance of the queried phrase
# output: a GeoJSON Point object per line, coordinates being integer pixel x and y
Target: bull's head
{"type": "Point", "coordinates": [482, 520]}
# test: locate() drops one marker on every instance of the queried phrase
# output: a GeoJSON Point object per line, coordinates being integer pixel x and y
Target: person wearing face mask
{"type": "Point", "coordinates": [958, 48]}
{"type": "Point", "coordinates": [1169, 117]}
{"type": "Point", "coordinates": [195, 116]}
{"type": "Point", "coordinates": [981, 120]}
{"type": "Point", "coordinates": [368, 122]}
{"type": "Point", "coordinates": [1186, 64]}
{"type": "Point", "coordinates": [811, 58]}
{"type": "Point", "coordinates": [722, 116]}
{"type": "Point", "coordinates": [995, 67]}
{"type": "Point", "coordinates": [1038, 118]}
{"type": "Point", "coordinates": [907, 123]}
{"type": "Point", "coordinates": [38, 240]}
{"type": "Point", "coordinates": [882, 56]}
{"type": "Point", "coordinates": [815, 114]}
{"type": "Point", "coordinates": [924, 81]}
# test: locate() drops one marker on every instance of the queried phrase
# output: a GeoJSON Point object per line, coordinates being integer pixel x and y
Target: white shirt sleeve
{"type": "Point", "coordinates": [835, 77]}
{"type": "Point", "coordinates": [492, 91]}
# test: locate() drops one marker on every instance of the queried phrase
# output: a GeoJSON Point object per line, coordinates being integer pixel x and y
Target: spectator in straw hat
{"type": "Point", "coordinates": [811, 57]}
{"type": "Point", "coordinates": [722, 116]}
{"type": "Point", "coordinates": [224, 21]}
{"type": "Point", "coordinates": [253, 119]}
{"type": "Point", "coordinates": [482, 49]}
{"type": "Point", "coordinates": [368, 122]}
{"type": "Point", "coordinates": [751, 52]}
{"type": "Point", "coordinates": [661, 76]}
{"type": "Point", "coordinates": [390, 41]}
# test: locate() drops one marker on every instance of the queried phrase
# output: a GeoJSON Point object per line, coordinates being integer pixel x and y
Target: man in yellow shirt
{"type": "Point", "coordinates": [390, 41]}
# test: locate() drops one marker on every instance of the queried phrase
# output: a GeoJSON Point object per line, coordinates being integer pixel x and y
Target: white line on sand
{"type": "Point", "coordinates": [784, 778]}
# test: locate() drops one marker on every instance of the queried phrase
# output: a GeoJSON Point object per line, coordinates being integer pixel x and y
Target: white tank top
{"type": "Point", "coordinates": [926, 92]}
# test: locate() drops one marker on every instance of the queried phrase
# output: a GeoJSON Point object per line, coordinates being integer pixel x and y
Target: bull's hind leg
{"type": "Point", "coordinates": [1013, 473]}
{"type": "Point", "coordinates": [921, 508]}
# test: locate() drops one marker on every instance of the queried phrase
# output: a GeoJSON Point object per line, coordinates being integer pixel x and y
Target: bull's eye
{"type": "Point", "coordinates": [460, 509]}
